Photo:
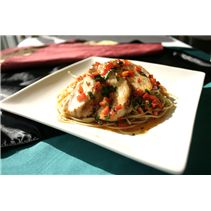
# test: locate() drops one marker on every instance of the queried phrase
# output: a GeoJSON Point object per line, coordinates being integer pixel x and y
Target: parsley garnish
{"type": "Point", "coordinates": [136, 101]}
{"type": "Point", "coordinates": [147, 90]}
{"type": "Point", "coordinates": [106, 90]}
{"type": "Point", "coordinates": [108, 74]}
{"type": "Point", "coordinates": [91, 95]}
{"type": "Point", "coordinates": [99, 78]}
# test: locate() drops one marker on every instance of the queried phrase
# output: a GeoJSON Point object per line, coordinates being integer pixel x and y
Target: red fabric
{"type": "Point", "coordinates": [56, 54]}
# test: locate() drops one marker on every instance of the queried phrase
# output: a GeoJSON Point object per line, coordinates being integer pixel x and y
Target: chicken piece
{"type": "Point", "coordinates": [137, 76]}
{"type": "Point", "coordinates": [140, 81]}
{"type": "Point", "coordinates": [82, 98]}
{"type": "Point", "coordinates": [121, 101]}
{"type": "Point", "coordinates": [119, 105]}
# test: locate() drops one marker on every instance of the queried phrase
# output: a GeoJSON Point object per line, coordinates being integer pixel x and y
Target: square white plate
{"type": "Point", "coordinates": [164, 146]}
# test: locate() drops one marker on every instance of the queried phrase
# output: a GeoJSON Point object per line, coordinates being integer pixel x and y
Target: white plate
{"type": "Point", "coordinates": [164, 146]}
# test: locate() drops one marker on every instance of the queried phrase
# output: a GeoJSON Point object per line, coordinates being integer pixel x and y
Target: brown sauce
{"type": "Point", "coordinates": [144, 127]}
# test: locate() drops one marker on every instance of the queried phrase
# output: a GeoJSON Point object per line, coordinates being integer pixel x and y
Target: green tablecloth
{"type": "Point", "coordinates": [70, 155]}
{"type": "Point", "coordinates": [67, 154]}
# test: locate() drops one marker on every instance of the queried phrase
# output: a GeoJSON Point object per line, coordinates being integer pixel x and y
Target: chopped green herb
{"type": "Point", "coordinates": [119, 62]}
{"type": "Point", "coordinates": [118, 78]}
{"type": "Point", "coordinates": [99, 78]}
{"type": "Point", "coordinates": [136, 101]}
{"type": "Point", "coordinates": [143, 74]}
{"type": "Point", "coordinates": [97, 117]}
{"type": "Point", "coordinates": [107, 118]}
{"type": "Point", "coordinates": [147, 90]}
{"type": "Point", "coordinates": [98, 120]}
{"type": "Point", "coordinates": [91, 95]}
{"type": "Point", "coordinates": [106, 90]}
{"type": "Point", "coordinates": [108, 74]}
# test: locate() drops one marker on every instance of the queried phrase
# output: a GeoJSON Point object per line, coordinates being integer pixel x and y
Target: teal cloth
{"type": "Point", "coordinates": [208, 85]}
{"type": "Point", "coordinates": [69, 155]}
{"type": "Point", "coordinates": [199, 160]}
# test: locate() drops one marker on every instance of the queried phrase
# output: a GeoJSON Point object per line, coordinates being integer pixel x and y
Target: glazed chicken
{"type": "Point", "coordinates": [120, 102]}
{"type": "Point", "coordinates": [117, 95]}
{"type": "Point", "coordinates": [82, 98]}
{"type": "Point", "coordinates": [106, 90]}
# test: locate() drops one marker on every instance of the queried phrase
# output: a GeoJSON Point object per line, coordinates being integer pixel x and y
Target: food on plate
{"type": "Point", "coordinates": [117, 95]}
